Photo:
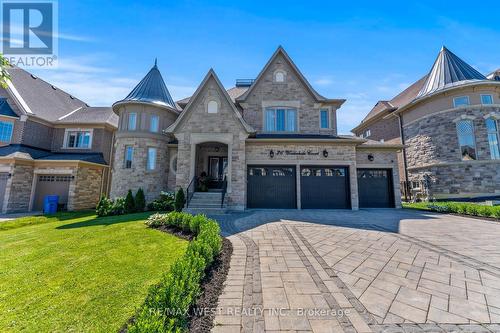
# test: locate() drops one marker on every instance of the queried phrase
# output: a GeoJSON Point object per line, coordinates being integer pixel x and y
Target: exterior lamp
{"type": "Point", "coordinates": [325, 153]}
{"type": "Point", "coordinates": [371, 158]}
{"type": "Point", "coordinates": [271, 154]}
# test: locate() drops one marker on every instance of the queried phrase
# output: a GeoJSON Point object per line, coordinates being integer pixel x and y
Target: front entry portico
{"type": "Point", "coordinates": [211, 165]}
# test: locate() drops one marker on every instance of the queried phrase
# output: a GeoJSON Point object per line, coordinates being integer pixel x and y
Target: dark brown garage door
{"type": "Point", "coordinates": [324, 187]}
{"type": "Point", "coordinates": [271, 187]}
{"type": "Point", "coordinates": [51, 185]}
{"type": "Point", "coordinates": [375, 188]}
{"type": "Point", "coordinates": [3, 185]}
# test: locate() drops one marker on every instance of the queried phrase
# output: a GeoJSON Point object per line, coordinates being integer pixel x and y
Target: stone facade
{"type": "Point", "coordinates": [18, 189]}
{"type": "Point", "coordinates": [84, 193]}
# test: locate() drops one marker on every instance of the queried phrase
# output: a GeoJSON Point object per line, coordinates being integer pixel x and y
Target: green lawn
{"type": "Point", "coordinates": [76, 272]}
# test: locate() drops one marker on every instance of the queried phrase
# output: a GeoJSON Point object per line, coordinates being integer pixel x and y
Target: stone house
{"type": "Point", "coordinates": [449, 123]}
{"type": "Point", "coordinates": [271, 142]}
{"type": "Point", "coordinates": [51, 143]}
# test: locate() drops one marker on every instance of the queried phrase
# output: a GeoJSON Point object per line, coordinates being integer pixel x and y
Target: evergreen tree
{"type": "Point", "coordinates": [129, 203]}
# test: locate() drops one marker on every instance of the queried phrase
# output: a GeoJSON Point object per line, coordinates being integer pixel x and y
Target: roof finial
{"type": "Point", "coordinates": [156, 62]}
{"type": "Point", "coordinates": [443, 48]}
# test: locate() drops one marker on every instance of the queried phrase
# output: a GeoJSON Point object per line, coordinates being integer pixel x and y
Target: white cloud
{"type": "Point", "coordinates": [324, 81]}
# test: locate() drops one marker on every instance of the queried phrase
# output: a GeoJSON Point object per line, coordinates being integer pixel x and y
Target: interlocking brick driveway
{"type": "Point", "coordinates": [385, 270]}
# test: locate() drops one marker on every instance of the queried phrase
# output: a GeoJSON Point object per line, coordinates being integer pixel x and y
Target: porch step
{"type": "Point", "coordinates": [206, 202]}
{"type": "Point", "coordinates": [206, 211]}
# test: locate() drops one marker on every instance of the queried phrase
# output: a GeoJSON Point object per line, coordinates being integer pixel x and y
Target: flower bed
{"type": "Point", "coordinates": [166, 308]}
{"type": "Point", "coordinates": [462, 208]}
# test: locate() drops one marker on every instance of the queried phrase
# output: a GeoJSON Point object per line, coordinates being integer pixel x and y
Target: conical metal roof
{"type": "Point", "coordinates": [152, 89]}
{"type": "Point", "coordinates": [448, 71]}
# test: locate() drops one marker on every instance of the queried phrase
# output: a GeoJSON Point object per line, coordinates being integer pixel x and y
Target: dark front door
{"type": "Point", "coordinates": [217, 166]}
{"type": "Point", "coordinates": [324, 187]}
{"type": "Point", "coordinates": [375, 188]}
{"type": "Point", "coordinates": [271, 187]}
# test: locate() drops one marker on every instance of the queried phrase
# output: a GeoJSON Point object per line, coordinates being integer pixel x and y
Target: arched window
{"type": "Point", "coordinates": [212, 107]}
{"type": "Point", "coordinates": [493, 135]}
{"type": "Point", "coordinates": [466, 140]}
{"type": "Point", "coordinates": [279, 76]}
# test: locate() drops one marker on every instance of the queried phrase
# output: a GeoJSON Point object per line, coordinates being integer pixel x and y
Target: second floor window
{"type": "Point", "coordinates": [132, 121]}
{"type": "Point", "coordinates": [459, 101]}
{"type": "Point", "coordinates": [151, 158]}
{"type": "Point", "coordinates": [129, 155]}
{"type": "Point", "coordinates": [324, 115]}
{"type": "Point", "coordinates": [6, 131]}
{"type": "Point", "coordinates": [280, 120]}
{"type": "Point", "coordinates": [465, 132]}
{"type": "Point", "coordinates": [154, 125]}
{"type": "Point", "coordinates": [493, 135]}
{"type": "Point", "coordinates": [486, 99]}
{"type": "Point", "coordinates": [78, 139]}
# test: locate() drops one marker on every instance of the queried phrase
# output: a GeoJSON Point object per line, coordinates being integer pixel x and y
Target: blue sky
{"type": "Point", "coordinates": [361, 51]}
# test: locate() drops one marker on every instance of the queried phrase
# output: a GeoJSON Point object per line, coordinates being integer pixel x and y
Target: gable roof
{"type": "Point", "coordinates": [210, 74]}
{"type": "Point", "coordinates": [281, 51]}
{"type": "Point", "coordinates": [448, 71]}
{"type": "Point", "coordinates": [151, 89]}
{"type": "Point", "coordinates": [90, 115]}
{"type": "Point", "coordinates": [233, 93]}
{"type": "Point", "coordinates": [6, 110]}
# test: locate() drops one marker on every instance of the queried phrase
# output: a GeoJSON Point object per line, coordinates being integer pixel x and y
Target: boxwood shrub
{"type": "Point", "coordinates": [166, 308]}
{"type": "Point", "coordinates": [464, 208]}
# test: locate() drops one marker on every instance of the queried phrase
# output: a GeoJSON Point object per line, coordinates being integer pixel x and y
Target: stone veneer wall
{"type": "Point", "coordinates": [86, 190]}
{"type": "Point", "coordinates": [19, 188]}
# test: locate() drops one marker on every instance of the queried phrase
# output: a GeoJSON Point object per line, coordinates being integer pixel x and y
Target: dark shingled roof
{"type": "Point", "coordinates": [6, 110]}
{"type": "Point", "coordinates": [91, 115]}
{"type": "Point", "coordinates": [151, 89]}
{"type": "Point", "coordinates": [295, 136]}
{"type": "Point", "coordinates": [233, 92]}
{"type": "Point", "coordinates": [43, 154]}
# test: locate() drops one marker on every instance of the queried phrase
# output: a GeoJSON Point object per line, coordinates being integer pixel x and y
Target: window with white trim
{"type": "Point", "coordinates": [324, 115]}
{"type": "Point", "coordinates": [280, 120]}
{"type": "Point", "coordinates": [129, 156]}
{"type": "Point", "coordinates": [493, 138]}
{"type": "Point", "coordinates": [212, 107]}
{"type": "Point", "coordinates": [132, 121]}
{"type": "Point", "coordinates": [466, 140]}
{"type": "Point", "coordinates": [154, 124]}
{"type": "Point", "coordinates": [486, 99]}
{"type": "Point", "coordinates": [78, 139]}
{"type": "Point", "coordinates": [459, 101]}
{"type": "Point", "coordinates": [151, 158]}
{"type": "Point", "coordinates": [6, 128]}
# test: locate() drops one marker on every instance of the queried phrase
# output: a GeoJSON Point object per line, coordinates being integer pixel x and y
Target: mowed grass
{"type": "Point", "coordinates": [76, 272]}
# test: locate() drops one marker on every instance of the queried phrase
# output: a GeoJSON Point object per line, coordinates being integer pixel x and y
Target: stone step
{"type": "Point", "coordinates": [204, 205]}
{"type": "Point", "coordinates": [206, 211]}
{"type": "Point", "coordinates": [207, 194]}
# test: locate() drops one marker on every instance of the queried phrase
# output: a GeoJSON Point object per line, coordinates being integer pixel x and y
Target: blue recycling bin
{"type": "Point", "coordinates": [50, 204]}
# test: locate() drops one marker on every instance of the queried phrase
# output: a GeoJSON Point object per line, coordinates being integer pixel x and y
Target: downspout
{"type": "Point", "coordinates": [110, 169]}
{"type": "Point", "coordinates": [405, 162]}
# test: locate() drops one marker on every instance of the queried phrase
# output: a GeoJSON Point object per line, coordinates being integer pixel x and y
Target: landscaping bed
{"type": "Point", "coordinates": [458, 208]}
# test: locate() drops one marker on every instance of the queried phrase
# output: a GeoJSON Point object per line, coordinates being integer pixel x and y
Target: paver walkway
{"type": "Point", "coordinates": [366, 271]}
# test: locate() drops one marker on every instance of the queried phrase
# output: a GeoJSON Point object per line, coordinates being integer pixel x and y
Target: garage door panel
{"type": "Point", "coordinates": [375, 188]}
{"type": "Point", "coordinates": [51, 185]}
{"type": "Point", "coordinates": [271, 187]}
{"type": "Point", "coordinates": [324, 187]}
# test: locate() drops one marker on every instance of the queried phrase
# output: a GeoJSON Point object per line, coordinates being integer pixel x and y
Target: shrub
{"type": "Point", "coordinates": [129, 203]}
{"type": "Point", "coordinates": [180, 199]}
{"type": "Point", "coordinates": [104, 206]}
{"type": "Point", "coordinates": [464, 208]}
{"type": "Point", "coordinates": [118, 206]}
{"type": "Point", "coordinates": [164, 203]}
{"type": "Point", "coordinates": [140, 201]}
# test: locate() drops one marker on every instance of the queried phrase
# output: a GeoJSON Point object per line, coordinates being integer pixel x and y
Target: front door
{"type": "Point", "coordinates": [217, 166]}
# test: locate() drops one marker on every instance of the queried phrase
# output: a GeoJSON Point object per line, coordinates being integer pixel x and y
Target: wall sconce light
{"type": "Point", "coordinates": [10, 175]}
{"type": "Point", "coordinates": [271, 154]}
{"type": "Point", "coordinates": [217, 149]}
{"type": "Point", "coordinates": [325, 153]}
{"type": "Point", "coordinates": [370, 158]}
{"type": "Point", "coordinates": [72, 177]}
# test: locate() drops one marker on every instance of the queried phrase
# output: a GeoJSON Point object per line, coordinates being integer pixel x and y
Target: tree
{"type": "Point", "coordinates": [180, 199]}
{"type": "Point", "coordinates": [129, 203]}
{"type": "Point", "coordinates": [4, 75]}
{"type": "Point", "coordinates": [140, 200]}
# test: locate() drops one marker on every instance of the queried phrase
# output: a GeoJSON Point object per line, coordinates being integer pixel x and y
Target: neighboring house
{"type": "Point", "coordinates": [449, 121]}
{"type": "Point", "coordinates": [52, 144]}
{"type": "Point", "coordinates": [271, 142]}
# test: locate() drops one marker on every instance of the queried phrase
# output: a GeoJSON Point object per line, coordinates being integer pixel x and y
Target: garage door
{"type": "Point", "coordinates": [3, 185]}
{"type": "Point", "coordinates": [51, 185]}
{"type": "Point", "coordinates": [375, 188]}
{"type": "Point", "coordinates": [324, 187]}
{"type": "Point", "coordinates": [271, 187]}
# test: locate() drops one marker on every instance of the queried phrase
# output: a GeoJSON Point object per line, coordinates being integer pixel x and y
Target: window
{"type": "Point", "coordinates": [493, 135]}
{"type": "Point", "coordinates": [78, 139]}
{"type": "Point", "coordinates": [129, 155]}
{"type": "Point", "coordinates": [279, 76]}
{"type": "Point", "coordinates": [132, 121]}
{"type": "Point", "coordinates": [281, 120]}
{"type": "Point", "coordinates": [151, 158]}
{"type": "Point", "coordinates": [324, 118]}
{"type": "Point", "coordinates": [465, 132]}
{"type": "Point", "coordinates": [367, 133]}
{"type": "Point", "coordinates": [6, 131]}
{"type": "Point", "coordinates": [154, 125]}
{"type": "Point", "coordinates": [458, 101]}
{"type": "Point", "coordinates": [486, 99]}
{"type": "Point", "coordinates": [212, 107]}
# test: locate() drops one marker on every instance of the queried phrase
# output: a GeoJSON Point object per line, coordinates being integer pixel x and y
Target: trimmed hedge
{"type": "Point", "coordinates": [167, 305]}
{"type": "Point", "coordinates": [464, 208]}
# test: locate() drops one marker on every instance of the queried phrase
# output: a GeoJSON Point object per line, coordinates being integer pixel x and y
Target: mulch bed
{"type": "Point", "coordinates": [177, 232]}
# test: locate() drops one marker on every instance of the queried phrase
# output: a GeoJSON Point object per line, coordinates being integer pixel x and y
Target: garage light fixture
{"type": "Point", "coordinates": [271, 154]}
{"type": "Point", "coordinates": [325, 153]}
{"type": "Point", "coordinates": [370, 158]}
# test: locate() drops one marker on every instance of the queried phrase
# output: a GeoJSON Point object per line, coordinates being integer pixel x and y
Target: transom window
{"type": "Point", "coordinates": [151, 158]}
{"type": "Point", "coordinates": [324, 115]}
{"type": "Point", "coordinates": [465, 132]}
{"type": "Point", "coordinates": [486, 99]}
{"type": "Point", "coordinates": [493, 138]}
{"type": "Point", "coordinates": [78, 139]}
{"type": "Point", "coordinates": [6, 131]}
{"type": "Point", "coordinates": [212, 107]}
{"type": "Point", "coordinates": [132, 121]}
{"type": "Point", "coordinates": [129, 155]}
{"type": "Point", "coordinates": [154, 125]}
{"type": "Point", "coordinates": [462, 100]}
{"type": "Point", "coordinates": [280, 120]}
